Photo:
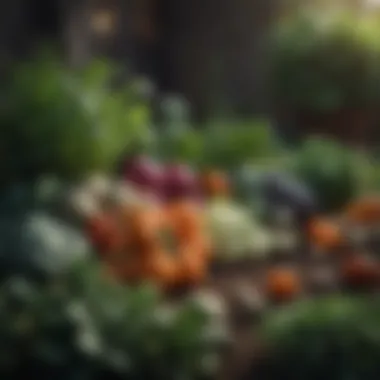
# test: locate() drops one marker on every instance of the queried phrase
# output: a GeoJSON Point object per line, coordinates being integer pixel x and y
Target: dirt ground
{"type": "Point", "coordinates": [319, 274]}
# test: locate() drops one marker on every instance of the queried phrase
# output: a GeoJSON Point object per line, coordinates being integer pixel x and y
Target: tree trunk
{"type": "Point", "coordinates": [76, 31]}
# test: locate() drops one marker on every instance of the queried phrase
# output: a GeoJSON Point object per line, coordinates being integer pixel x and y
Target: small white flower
{"type": "Point", "coordinates": [175, 108]}
{"type": "Point", "coordinates": [144, 87]}
{"type": "Point", "coordinates": [98, 185]}
{"type": "Point", "coordinates": [83, 203]}
{"type": "Point", "coordinates": [78, 312]}
{"type": "Point", "coordinates": [123, 194]}
{"type": "Point", "coordinates": [164, 315]}
{"type": "Point", "coordinates": [210, 302]}
{"type": "Point", "coordinates": [89, 341]}
{"type": "Point", "coordinates": [250, 299]}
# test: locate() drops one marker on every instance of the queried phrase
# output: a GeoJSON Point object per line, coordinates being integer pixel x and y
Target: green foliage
{"type": "Point", "coordinates": [326, 61]}
{"type": "Point", "coordinates": [333, 338]}
{"type": "Point", "coordinates": [20, 198]}
{"type": "Point", "coordinates": [373, 177]}
{"type": "Point", "coordinates": [232, 144]}
{"type": "Point", "coordinates": [86, 326]}
{"type": "Point", "coordinates": [185, 146]}
{"type": "Point", "coordinates": [58, 121]}
{"type": "Point", "coordinates": [331, 170]}
{"type": "Point", "coordinates": [221, 144]}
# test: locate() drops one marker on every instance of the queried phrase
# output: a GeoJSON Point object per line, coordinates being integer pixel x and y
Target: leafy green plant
{"type": "Point", "coordinates": [331, 170]}
{"type": "Point", "coordinates": [332, 338]}
{"type": "Point", "coordinates": [187, 145]}
{"type": "Point", "coordinates": [86, 326]}
{"type": "Point", "coordinates": [58, 121]}
{"type": "Point", "coordinates": [35, 244]}
{"type": "Point", "coordinates": [229, 145]}
{"type": "Point", "coordinates": [323, 62]}
{"type": "Point", "coordinates": [221, 144]}
{"type": "Point", "coordinates": [373, 176]}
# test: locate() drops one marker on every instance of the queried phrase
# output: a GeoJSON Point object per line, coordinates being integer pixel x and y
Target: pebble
{"type": "Point", "coordinates": [248, 303]}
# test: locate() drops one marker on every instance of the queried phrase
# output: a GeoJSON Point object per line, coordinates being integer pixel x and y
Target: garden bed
{"type": "Point", "coordinates": [230, 280]}
{"type": "Point", "coordinates": [196, 186]}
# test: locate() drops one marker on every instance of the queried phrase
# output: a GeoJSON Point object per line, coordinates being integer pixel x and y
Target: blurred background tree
{"type": "Point", "coordinates": [214, 53]}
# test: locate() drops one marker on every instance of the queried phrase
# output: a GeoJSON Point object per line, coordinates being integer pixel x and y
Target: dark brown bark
{"type": "Point", "coordinates": [76, 33]}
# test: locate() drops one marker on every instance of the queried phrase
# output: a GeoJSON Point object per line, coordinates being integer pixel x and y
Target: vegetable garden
{"type": "Point", "coordinates": [135, 251]}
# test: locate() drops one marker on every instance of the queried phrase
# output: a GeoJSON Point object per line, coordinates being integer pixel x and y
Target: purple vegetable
{"type": "Point", "coordinates": [180, 181]}
{"type": "Point", "coordinates": [144, 172]}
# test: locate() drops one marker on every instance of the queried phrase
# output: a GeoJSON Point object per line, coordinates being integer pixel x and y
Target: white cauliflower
{"type": "Point", "coordinates": [235, 233]}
